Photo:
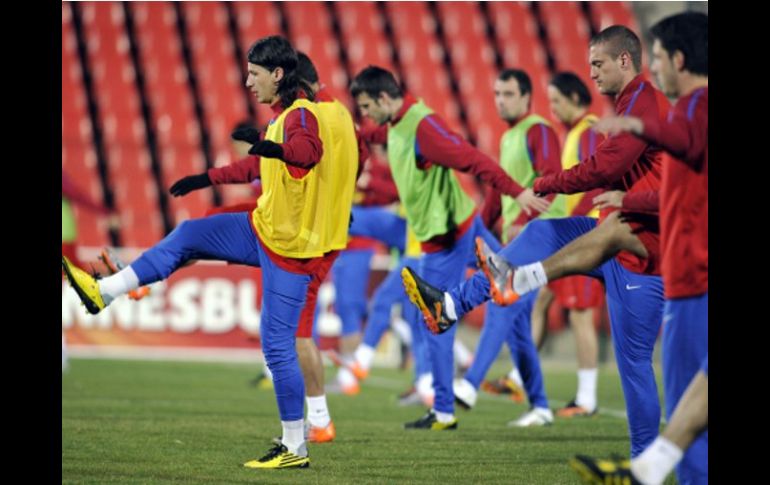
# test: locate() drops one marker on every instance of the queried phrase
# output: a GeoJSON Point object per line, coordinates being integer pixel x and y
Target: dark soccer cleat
{"type": "Point", "coordinates": [615, 471]}
{"type": "Point", "coordinates": [430, 422]}
{"type": "Point", "coordinates": [429, 299]}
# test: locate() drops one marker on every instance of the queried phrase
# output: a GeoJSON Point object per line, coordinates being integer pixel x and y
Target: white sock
{"type": "Point", "coordinates": [318, 411]}
{"type": "Point", "coordinates": [346, 378]}
{"type": "Point", "coordinates": [529, 277]}
{"type": "Point", "coordinates": [294, 436]}
{"type": "Point", "coordinates": [268, 372]}
{"type": "Point", "coordinates": [449, 306]}
{"type": "Point", "coordinates": [656, 462]}
{"type": "Point", "coordinates": [444, 417]}
{"type": "Point", "coordinates": [118, 284]}
{"type": "Point", "coordinates": [364, 356]}
{"type": "Point", "coordinates": [401, 327]}
{"type": "Point", "coordinates": [586, 394]}
{"type": "Point", "coordinates": [515, 376]}
{"type": "Point", "coordinates": [424, 385]}
{"type": "Point", "coordinates": [463, 356]}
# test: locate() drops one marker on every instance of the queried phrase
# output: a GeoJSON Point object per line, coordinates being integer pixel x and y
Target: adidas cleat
{"type": "Point", "coordinates": [615, 471]}
{"type": "Point", "coordinates": [279, 457]}
{"type": "Point", "coordinates": [85, 286]}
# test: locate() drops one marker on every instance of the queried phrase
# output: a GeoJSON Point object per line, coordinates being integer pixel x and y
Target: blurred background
{"type": "Point", "coordinates": [151, 91]}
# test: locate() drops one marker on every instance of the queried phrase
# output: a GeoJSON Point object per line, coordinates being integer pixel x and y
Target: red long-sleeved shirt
{"type": "Point", "coordinates": [623, 162]}
{"type": "Point", "coordinates": [302, 149]}
{"type": "Point", "coordinates": [543, 148]}
{"type": "Point", "coordinates": [436, 143]}
{"type": "Point", "coordinates": [647, 202]}
{"type": "Point", "coordinates": [684, 195]}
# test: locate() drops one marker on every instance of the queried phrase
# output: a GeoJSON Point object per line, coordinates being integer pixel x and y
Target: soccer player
{"type": "Point", "coordinates": [680, 63]}
{"type": "Point", "coordinates": [528, 148]}
{"type": "Point", "coordinates": [570, 98]}
{"type": "Point", "coordinates": [422, 151]}
{"type": "Point", "coordinates": [319, 426]}
{"type": "Point", "coordinates": [293, 234]}
{"type": "Point", "coordinates": [634, 289]}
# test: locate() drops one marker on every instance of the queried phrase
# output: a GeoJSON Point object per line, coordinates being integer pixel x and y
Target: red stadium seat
{"type": "Point", "coordinates": [569, 36]}
{"type": "Point", "coordinates": [473, 67]}
{"type": "Point", "coordinates": [364, 35]}
{"type": "Point", "coordinates": [311, 32]}
{"type": "Point", "coordinates": [421, 57]}
{"type": "Point", "coordinates": [520, 46]}
{"type": "Point", "coordinates": [257, 20]}
{"type": "Point", "coordinates": [219, 77]}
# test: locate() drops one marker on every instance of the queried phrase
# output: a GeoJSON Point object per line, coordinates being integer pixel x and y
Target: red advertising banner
{"type": "Point", "coordinates": [204, 305]}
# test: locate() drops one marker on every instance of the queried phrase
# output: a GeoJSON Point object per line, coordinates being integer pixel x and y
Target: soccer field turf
{"type": "Point", "coordinates": [179, 422]}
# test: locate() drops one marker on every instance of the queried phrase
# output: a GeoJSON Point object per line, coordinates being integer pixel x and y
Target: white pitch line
{"type": "Point", "coordinates": [394, 384]}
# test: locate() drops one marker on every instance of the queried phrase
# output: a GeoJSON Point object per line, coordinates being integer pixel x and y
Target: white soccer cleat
{"type": "Point", "coordinates": [465, 393]}
{"type": "Point", "coordinates": [533, 417]}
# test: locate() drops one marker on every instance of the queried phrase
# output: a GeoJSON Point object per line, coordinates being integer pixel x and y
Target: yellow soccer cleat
{"type": "Point", "coordinates": [84, 285]}
{"type": "Point", "coordinates": [615, 471]}
{"type": "Point", "coordinates": [279, 457]}
{"type": "Point", "coordinates": [262, 382]}
{"type": "Point", "coordinates": [430, 422]}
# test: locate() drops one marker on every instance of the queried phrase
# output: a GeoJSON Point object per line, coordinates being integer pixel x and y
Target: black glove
{"type": "Point", "coordinates": [190, 183]}
{"type": "Point", "coordinates": [247, 134]}
{"type": "Point", "coordinates": [267, 148]}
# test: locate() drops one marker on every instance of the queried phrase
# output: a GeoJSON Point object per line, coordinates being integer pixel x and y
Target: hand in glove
{"type": "Point", "coordinates": [267, 148]}
{"type": "Point", "coordinates": [247, 134]}
{"type": "Point", "coordinates": [190, 183]}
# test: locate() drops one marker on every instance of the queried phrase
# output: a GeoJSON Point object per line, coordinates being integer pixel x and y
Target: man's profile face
{"type": "Point", "coordinates": [562, 107]}
{"type": "Point", "coordinates": [263, 83]}
{"type": "Point", "coordinates": [373, 109]}
{"type": "Point", "coordinates": [664, 70]}
{"type": "Point", "coordinates": [605, 70]}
